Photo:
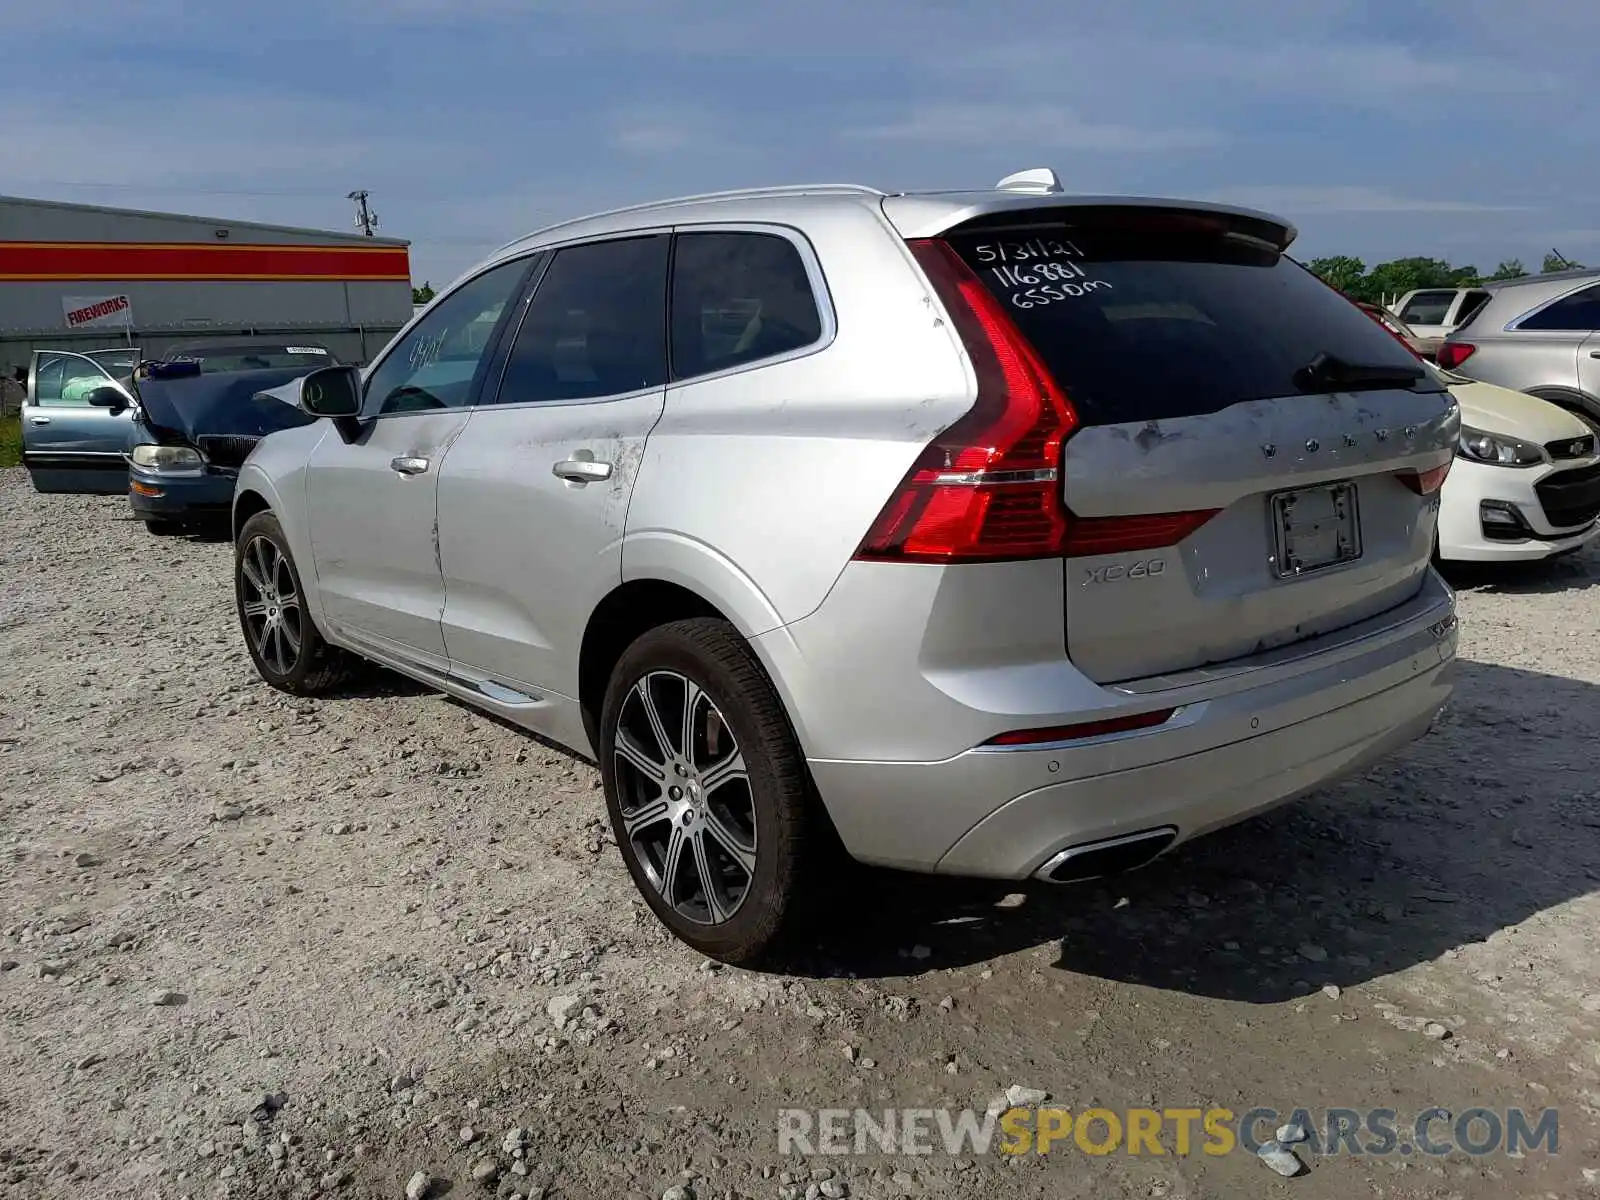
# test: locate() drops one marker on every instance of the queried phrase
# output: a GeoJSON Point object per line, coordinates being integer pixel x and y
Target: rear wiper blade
{"type": "Point", "coordinates": [1330, 371]}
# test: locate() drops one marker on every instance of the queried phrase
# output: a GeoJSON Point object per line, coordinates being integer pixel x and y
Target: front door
{"type": "Point", "coordinates": [68, 444]}
{"type": "Point", "coordinates": [533, 500]}
{"type": "Point", "coordinates": [372, 491]}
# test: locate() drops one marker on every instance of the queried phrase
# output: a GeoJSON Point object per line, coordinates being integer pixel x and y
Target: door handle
{"type": "Point", "coordinates": [1594, 354]}
{"type": "Point", "coordinates": [39, 420]}
{"type": "Point", "coordinates": [408, 466]}
{"type": "Point", "coordinates": [582, 470]}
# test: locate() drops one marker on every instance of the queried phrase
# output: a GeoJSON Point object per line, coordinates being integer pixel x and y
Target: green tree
{"type": "Point", "coordinates": [1512, 268]}
{"type": "Point", "coordinates": [421, 295]}
{"type": "Point", "coordinates": [1555, 262]}
{"type": "Point", "coordinates": [1341, 271]}
{"type": "Point", "coordinates": [1408, 274]}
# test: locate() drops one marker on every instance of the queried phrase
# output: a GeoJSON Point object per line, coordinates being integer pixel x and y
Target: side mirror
{"type": "Point", "coordinates": [108, 397]}
{"type": "Point", "coordinates": [331, 392]}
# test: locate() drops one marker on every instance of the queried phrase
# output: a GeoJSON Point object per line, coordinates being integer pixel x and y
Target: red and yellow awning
{"type": "Point", "coordinates": [117, 261]}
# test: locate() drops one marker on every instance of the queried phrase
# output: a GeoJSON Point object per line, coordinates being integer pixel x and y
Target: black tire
{"type": "Point", "coordinates": [315, 668]}
{"type": "Point", "coordinates": [783, 814]}
{"type": "Point", "coordinates": [163, 528]}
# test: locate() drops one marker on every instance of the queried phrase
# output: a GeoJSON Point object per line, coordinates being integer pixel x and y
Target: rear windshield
{"type": "Point", "coordinates": [1140, 324]}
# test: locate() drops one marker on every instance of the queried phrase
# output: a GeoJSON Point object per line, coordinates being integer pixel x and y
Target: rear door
{"type": "Point", "coordinates": [68, 444]}
{"type": "Point", "coordinates": [534, 495]}
{"type": "Point", "coordinates": [1227, 494]}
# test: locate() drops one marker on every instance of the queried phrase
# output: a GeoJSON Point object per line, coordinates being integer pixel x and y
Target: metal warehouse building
{"type": "Point", "coordinates": [78, 276]}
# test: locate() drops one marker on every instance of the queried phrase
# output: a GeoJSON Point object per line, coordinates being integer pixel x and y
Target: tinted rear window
{"type": "Point", "coordinates": [1144, 325]}
{"type": "Point", "coordinates": [1470, 304]}
{"type": "Point", "coordinates": [1428, 308]}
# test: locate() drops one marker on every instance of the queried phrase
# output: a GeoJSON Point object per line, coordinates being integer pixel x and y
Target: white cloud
{"type": "Point", "coordinates": [994, 124]}
{"type": "Point", "coordinates": [669, 129]}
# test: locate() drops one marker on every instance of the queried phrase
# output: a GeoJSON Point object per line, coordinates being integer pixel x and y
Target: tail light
{"type": "Point", "coordinates": [1452, 354]}
{"type": "Point", "coordinates": [988, 488]}
{"type": "Point", "coordinates": [1425, 483]}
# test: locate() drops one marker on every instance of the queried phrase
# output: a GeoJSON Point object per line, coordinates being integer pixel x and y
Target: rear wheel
{"type": "Point", "coordinates": [283, 641]}
{"type": "Point", "coordinates": [706, 789]}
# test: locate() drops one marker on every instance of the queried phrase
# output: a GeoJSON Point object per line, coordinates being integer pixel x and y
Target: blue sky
{"type": "Point", "coordinates": [1466, 129]}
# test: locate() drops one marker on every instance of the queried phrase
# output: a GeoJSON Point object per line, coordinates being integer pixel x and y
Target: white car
{"type": "Point", "coordinates": [1525, 484]}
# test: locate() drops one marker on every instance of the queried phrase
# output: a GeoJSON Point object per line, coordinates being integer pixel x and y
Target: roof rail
{"type": "Point", "coordinates": [796, 189]}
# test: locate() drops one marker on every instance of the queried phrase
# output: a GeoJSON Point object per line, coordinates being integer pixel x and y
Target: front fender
{"type": "Point", "coordinates": [276, 472]}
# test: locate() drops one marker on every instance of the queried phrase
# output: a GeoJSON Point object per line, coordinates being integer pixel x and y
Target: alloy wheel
{"type": "Point", "coordinates": [685, 797]}
{"type": "Point", "coordinates": [270, 601]}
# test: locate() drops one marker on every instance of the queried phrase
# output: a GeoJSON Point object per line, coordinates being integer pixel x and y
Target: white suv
{"type": "Point", "coordinates": [998, 533]}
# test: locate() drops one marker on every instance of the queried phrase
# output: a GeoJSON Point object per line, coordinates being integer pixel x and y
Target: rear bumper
{"type": "Point", "coordinates": [196, 498]}
{"type": "Point", "coordinates": [1239, 743]}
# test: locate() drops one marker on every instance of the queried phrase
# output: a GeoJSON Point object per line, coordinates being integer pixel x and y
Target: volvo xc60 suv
{"type": "Point", "coordinates": [1000, 533]}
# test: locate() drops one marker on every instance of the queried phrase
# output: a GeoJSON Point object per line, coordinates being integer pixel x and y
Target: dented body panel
{"type": "Point", "coordinates": [374, 534]}
{"type": "Point", "coordinates": [1220, 594]}
{"type": "Point", "coordinates": [528, 556]}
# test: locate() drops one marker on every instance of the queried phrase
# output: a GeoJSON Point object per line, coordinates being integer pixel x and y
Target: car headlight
{"type": "Point", "coordinates": [167, 460]}
{"type": "Point", "coordinates": [1497, 449]}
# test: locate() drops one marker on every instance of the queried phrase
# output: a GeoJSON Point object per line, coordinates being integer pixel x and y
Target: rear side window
{"type": "Point", "coordinates": [738, 298]}
{"type": "Point", "coordinates": [1427, 308]}
{"type": "Point", "coordinates": [1579, 312]}
{"type": "Point", "coordinates": [1141, 324]}
{"type": "Point", "coordinates": [597, 326]}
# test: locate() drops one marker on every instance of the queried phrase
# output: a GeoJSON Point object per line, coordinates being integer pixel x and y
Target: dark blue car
{"type": "Point", "coordinates": [191, 431]}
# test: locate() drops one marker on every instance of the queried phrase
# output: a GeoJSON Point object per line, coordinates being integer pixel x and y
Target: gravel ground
{"type": "Point", "coordinates": [255, 946]}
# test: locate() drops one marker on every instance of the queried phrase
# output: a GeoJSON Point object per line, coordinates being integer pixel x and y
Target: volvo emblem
{"type": "Point", "coordinates": [1268, 449]}
{"type": "Point", "coordinates": [1312, 445]}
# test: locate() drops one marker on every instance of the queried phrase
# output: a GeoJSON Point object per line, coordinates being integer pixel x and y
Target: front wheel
{"type": "Point", "coordinates": [283, 641]}
{"type": "Point", "coordinates": [707, 790]}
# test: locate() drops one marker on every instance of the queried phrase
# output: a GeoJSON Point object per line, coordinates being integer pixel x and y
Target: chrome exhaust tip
{"type": "Point", "coordinates": [1093, 860]}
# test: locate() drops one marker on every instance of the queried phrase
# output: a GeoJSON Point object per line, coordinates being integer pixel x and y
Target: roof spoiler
{"type": "Point", "coordinates": [1023, 200]}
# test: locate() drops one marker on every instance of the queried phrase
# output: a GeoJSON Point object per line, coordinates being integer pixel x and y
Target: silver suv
{"type": "Point", "coordinates": [998, 533]}
{"type": "Point", "coordinates": [1539, 335]}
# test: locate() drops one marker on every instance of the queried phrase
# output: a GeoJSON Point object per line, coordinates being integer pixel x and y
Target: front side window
{"type": "Point", "coordinates": [1579, 313]}
{"type": "Point", "coordinates": [738, 298]}
{"type": "Point", "coordinates": [435, 364]}
{"type": "Point", "coordinates": [65, 380]}
{"type": "Point", "coordinates": [596, 326]}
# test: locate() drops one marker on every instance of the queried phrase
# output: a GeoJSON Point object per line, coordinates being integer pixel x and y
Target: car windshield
{"type": "Point", "coordinates": [119, 362]}
{"type": "Point", "coordinates": [214, 359]}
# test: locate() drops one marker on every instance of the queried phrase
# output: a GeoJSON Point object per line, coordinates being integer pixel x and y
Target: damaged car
{"type": "Point", "coordinates": [191, 431]}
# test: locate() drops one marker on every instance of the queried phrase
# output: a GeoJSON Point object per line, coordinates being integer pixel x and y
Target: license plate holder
{"type": "Point", "coordinates": [1315, 529]}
